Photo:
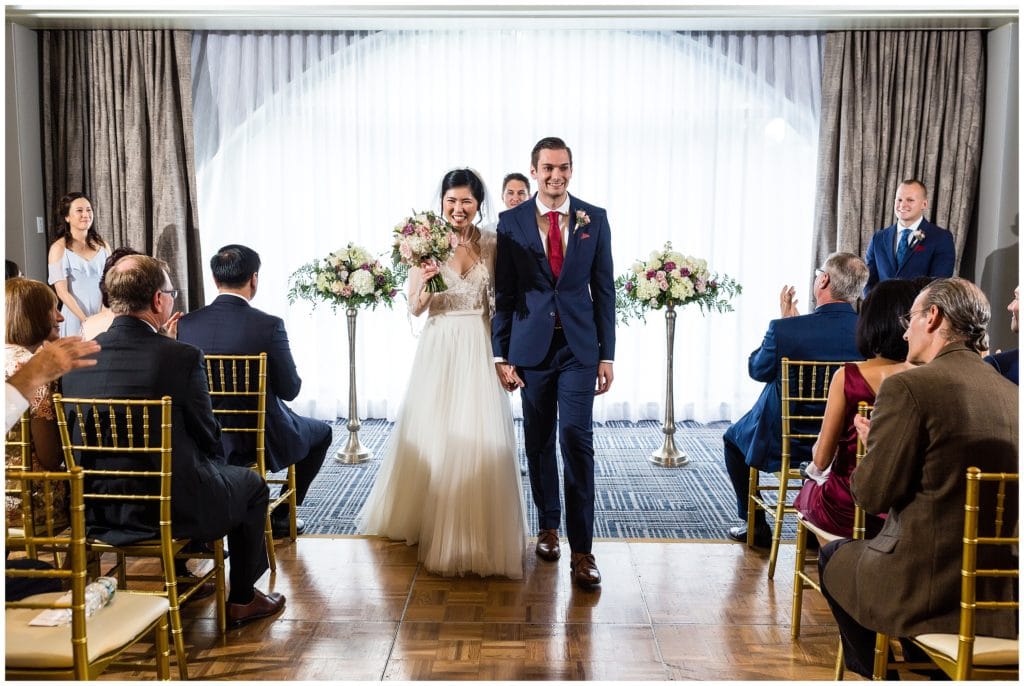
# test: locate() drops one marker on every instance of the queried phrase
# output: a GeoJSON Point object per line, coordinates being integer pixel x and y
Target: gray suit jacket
{"type": "Point", "coordinates": [929, 425]}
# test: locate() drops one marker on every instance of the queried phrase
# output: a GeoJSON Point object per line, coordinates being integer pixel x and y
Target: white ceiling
{"type": "Point", "coordinates": [697, 15]}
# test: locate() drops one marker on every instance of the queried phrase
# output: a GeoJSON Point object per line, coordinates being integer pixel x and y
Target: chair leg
{"type": "Point", "coordinates": [881, 665]}
{"type": "Point", "coordinates": [752, 506]}
{"type": "Point", "coordinates": [780, 512]}
{"type": "Point", "coordinates": [163, 651]}
{"type": "Point", "coordinates": [798, 581]}
{"type": "Point", "coordinates": [221, 594]}
{"type": "Point", "coordinates": [840, 670]}
{"type": "Point", "coordinates": [292, 503]}
{"type": "Point", "coordinates": [177, 634]}
{"type": "Point", "coordinates": [271, 552]}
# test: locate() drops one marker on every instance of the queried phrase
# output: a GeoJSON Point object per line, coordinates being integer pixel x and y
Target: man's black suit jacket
{"type": "Point", "coordinates": [230, 326]}
{"type": "Point", "coordinates": [135, 362]}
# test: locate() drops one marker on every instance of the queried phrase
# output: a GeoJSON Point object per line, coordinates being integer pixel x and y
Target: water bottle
{"type": "Point", "coordinates": [98, 594]}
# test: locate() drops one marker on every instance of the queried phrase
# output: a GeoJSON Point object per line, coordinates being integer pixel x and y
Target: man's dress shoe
{"type": "Point", "coordinates": [584, 570]}
{"type": "Point", "coordinates": [762, 535]}
{"type": "Point", "coordinates": [280, 528]}
{"type": "Point", "coordinates": [547, 545]}
{"type": "Point", "coordinates": [262, 605]}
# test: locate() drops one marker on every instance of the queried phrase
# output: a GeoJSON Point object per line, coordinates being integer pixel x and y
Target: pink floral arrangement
{"type": "Point", "coordinates": [422, 237]}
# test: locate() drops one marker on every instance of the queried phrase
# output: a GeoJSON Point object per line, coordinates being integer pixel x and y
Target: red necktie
{"type": "Point", "coordinates": [555, 258]}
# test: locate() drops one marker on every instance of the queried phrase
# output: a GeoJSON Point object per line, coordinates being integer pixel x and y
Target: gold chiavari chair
{"type": "Point", "coordinates": [238, 389]}
{"type": "Point", "coordinates": [802, 579]}
{"type": "Point", "coordinates": [85, 647]}
{"type": "Point", "coordinates": [967, 656]}
{"type": "Point", "coordinates": [124, 447]}
{"type": "Point", "coordinates": [804, 391]}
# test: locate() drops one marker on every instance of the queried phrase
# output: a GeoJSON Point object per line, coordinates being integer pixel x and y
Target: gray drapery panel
{"type": "Point", "coordinates": [117, 124]}
{"type": "Point", "coordinates": [896, 105]}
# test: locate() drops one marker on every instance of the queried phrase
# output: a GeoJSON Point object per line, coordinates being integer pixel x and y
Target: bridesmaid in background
{"type": "Point", "coordinates": [76, 262]}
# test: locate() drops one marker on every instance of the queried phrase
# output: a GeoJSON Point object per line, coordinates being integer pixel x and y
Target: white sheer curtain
{"type": "Point", "coordinates": [308, 140]}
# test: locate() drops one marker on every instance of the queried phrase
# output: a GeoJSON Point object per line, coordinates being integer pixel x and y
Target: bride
{"type": "Point", "coordinates": [450, 480]}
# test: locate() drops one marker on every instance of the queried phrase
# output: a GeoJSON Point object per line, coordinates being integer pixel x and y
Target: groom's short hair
{"type": "Point", "coordinates": [549, 143]}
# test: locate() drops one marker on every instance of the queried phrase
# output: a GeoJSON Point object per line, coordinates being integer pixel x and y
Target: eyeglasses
{"type": "Point", "coordinates": [173, 292]}
{"type": "Point", "coordinates": [909, 316]}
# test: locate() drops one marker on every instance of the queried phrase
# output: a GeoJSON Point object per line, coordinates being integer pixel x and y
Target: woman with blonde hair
{"type": "Point", "coordinates": [32, 319]}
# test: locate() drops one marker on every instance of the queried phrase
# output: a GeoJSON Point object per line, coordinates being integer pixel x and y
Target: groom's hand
{"type": "Point", "coordinates": [604, 377]}
{"type": "Point", "coordinates": [507, 376]}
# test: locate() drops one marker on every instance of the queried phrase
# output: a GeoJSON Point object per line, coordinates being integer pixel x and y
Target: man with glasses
{"type": "Point", "coordinates": [828, 333]}
{"type": "Point", "coordinates": [929, 425]}
{"type": "Point", "coordinates": [210, 499]}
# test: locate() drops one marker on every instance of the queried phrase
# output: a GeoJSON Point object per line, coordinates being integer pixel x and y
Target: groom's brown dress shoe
{"type": "Point", "coordinates": [584, 570]}
{"type": "Point", "coordinates": [262, 605]}
{"type": "Point", "coordinates": [547, 545]}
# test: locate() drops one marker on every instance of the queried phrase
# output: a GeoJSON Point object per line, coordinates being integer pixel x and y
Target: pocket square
{"type": "Point", "coordinates": [584, 236]}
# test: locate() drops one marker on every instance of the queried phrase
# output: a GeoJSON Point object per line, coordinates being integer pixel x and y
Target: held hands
{"type": "Point", "coordinates": [604, 377]}
{"type": "Point", "coordinates": [507, 376]}
{"type": "Point", "coordinates": [788, 301]}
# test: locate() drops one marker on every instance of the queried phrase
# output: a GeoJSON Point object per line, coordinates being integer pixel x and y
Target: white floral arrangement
{"type": "Point", "coordinates": [670, 279]}
{"type": "Point", "coordinates": [350, 277]}
{"type": "Point", "coordinates": [423, 237]}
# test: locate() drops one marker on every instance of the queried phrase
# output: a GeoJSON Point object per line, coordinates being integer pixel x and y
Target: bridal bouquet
{"type": "Point", "coordinates": [351, 277]}
{"type": "Point", "coordinates": [421, 237]}
{"type": "Point", "coordinates": [671, 279]}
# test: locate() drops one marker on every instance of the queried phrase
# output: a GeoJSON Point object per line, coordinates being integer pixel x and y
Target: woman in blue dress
{"type": "Point", "coordinates": [76, 262]}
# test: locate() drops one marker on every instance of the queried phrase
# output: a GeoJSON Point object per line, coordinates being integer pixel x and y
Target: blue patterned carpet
{"type": "Point", "coordinates": [635, 498]}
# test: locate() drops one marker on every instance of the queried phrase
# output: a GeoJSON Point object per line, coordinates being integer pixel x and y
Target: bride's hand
{"type": "Point", "coordinates": [430, 269]}
{"type": "Point", "coordinates": [507, 376]}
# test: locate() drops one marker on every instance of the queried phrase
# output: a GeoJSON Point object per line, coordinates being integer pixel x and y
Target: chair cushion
{"type": "Point", "coordinates": [817, 530]}
{"type": "Point", "coordinates": [126, 617]}
{"type": "Point", "coordinates": [988, 651]}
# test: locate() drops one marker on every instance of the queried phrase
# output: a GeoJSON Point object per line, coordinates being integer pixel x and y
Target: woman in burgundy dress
{"type": "Point", "coordinates": [829, 504]}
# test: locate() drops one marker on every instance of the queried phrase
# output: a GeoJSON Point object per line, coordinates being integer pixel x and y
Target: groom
{"type": "Point", "coordinates": [553, 335]}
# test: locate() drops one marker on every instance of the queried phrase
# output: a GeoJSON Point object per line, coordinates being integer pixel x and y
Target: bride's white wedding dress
{"type": "Point", "coordinates": [449, 480]}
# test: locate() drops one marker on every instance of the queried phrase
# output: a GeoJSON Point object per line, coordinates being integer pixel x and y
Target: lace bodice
{"type": "Point", "coordinates": [472, 291]}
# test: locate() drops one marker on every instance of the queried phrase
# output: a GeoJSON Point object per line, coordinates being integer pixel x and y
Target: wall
{"type": "Point", "coordinates": [991, 256]}
{"type": "Point", "coordinates": [23, 159]}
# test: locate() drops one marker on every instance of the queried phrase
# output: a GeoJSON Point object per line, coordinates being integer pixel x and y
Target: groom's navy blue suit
{"type": "Point", "coordinates": [555, 332]}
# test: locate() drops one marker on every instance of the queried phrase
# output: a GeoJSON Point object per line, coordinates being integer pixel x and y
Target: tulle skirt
{"type": "Point", "coordinates": [449, 480]}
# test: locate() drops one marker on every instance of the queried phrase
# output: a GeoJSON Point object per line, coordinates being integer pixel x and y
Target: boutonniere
{"type": "Point", "coordinates": [916, 237]}
{"type": "Point", "coordinates": [582, 219]}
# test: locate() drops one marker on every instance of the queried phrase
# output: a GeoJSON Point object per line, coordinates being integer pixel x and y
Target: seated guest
{"type": "Point", "coordinates": [51, 362]}
{"type": "Point", "coordinates": [912, 246]}
{"type": "Point", "coordinates": [1006, 362]}
{"type": "Point", "coordinates": [230, 326]}
{"type": "Point", "coordinates": [32, 319]}
{"type": "Point", "coordinates": [825, 499]}
{"type": "Point", "coordinates": [929, 425]}
{"type": "Point", "coordinates": [96, 324]}
{"type": "Point", "coordinates": [210, 499]}
{"type": "Point", "coordinates": [825, 334]}
{"type": "Point", "coordinates": [11, 269]}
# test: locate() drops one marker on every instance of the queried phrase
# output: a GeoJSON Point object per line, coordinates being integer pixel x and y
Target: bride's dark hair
{"type": "Point", "coordinates": [458, 178]}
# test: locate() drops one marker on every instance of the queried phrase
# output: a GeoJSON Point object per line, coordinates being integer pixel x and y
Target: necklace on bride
{"type": "Point", "coordinates": [467, 239]}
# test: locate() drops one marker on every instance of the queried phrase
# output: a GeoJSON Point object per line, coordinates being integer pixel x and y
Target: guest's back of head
{"type": "Point", "coordinates": [31, 309]}
{"type": "Point", "coordinates": [11, 269]}
{"type": "Point", "coordinates": [234, 265]}
{"type": "Point", "coordinates": [848, 274]}
{"type": "Point", "coordinates": [880, 327]}
{"type": "Point", "coordinates": [965, 310]}
{"type": "Point", "coordinates": [116, 255]}
{"type": "Point", "coordinates": [132, 282]}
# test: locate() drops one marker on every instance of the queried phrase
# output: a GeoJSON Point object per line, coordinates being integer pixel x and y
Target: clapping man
{"type": "Point", "coordinates": [210, 499]}
{"type": "Point", "coordinates": [828, 333]}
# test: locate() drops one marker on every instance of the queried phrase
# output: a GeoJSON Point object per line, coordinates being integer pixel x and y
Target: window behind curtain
{"type": "Point", "coordinates": [306, 141]}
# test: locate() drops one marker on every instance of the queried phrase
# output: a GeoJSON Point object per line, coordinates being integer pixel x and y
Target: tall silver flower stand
{"type": "Point", "coordinates": [354, 452]}
{"type": "Point", "coordinates": [668, 455]}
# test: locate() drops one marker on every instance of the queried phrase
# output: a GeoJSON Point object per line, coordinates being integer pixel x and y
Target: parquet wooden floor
{"type": "Point", "coordinates": [362, 609]}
